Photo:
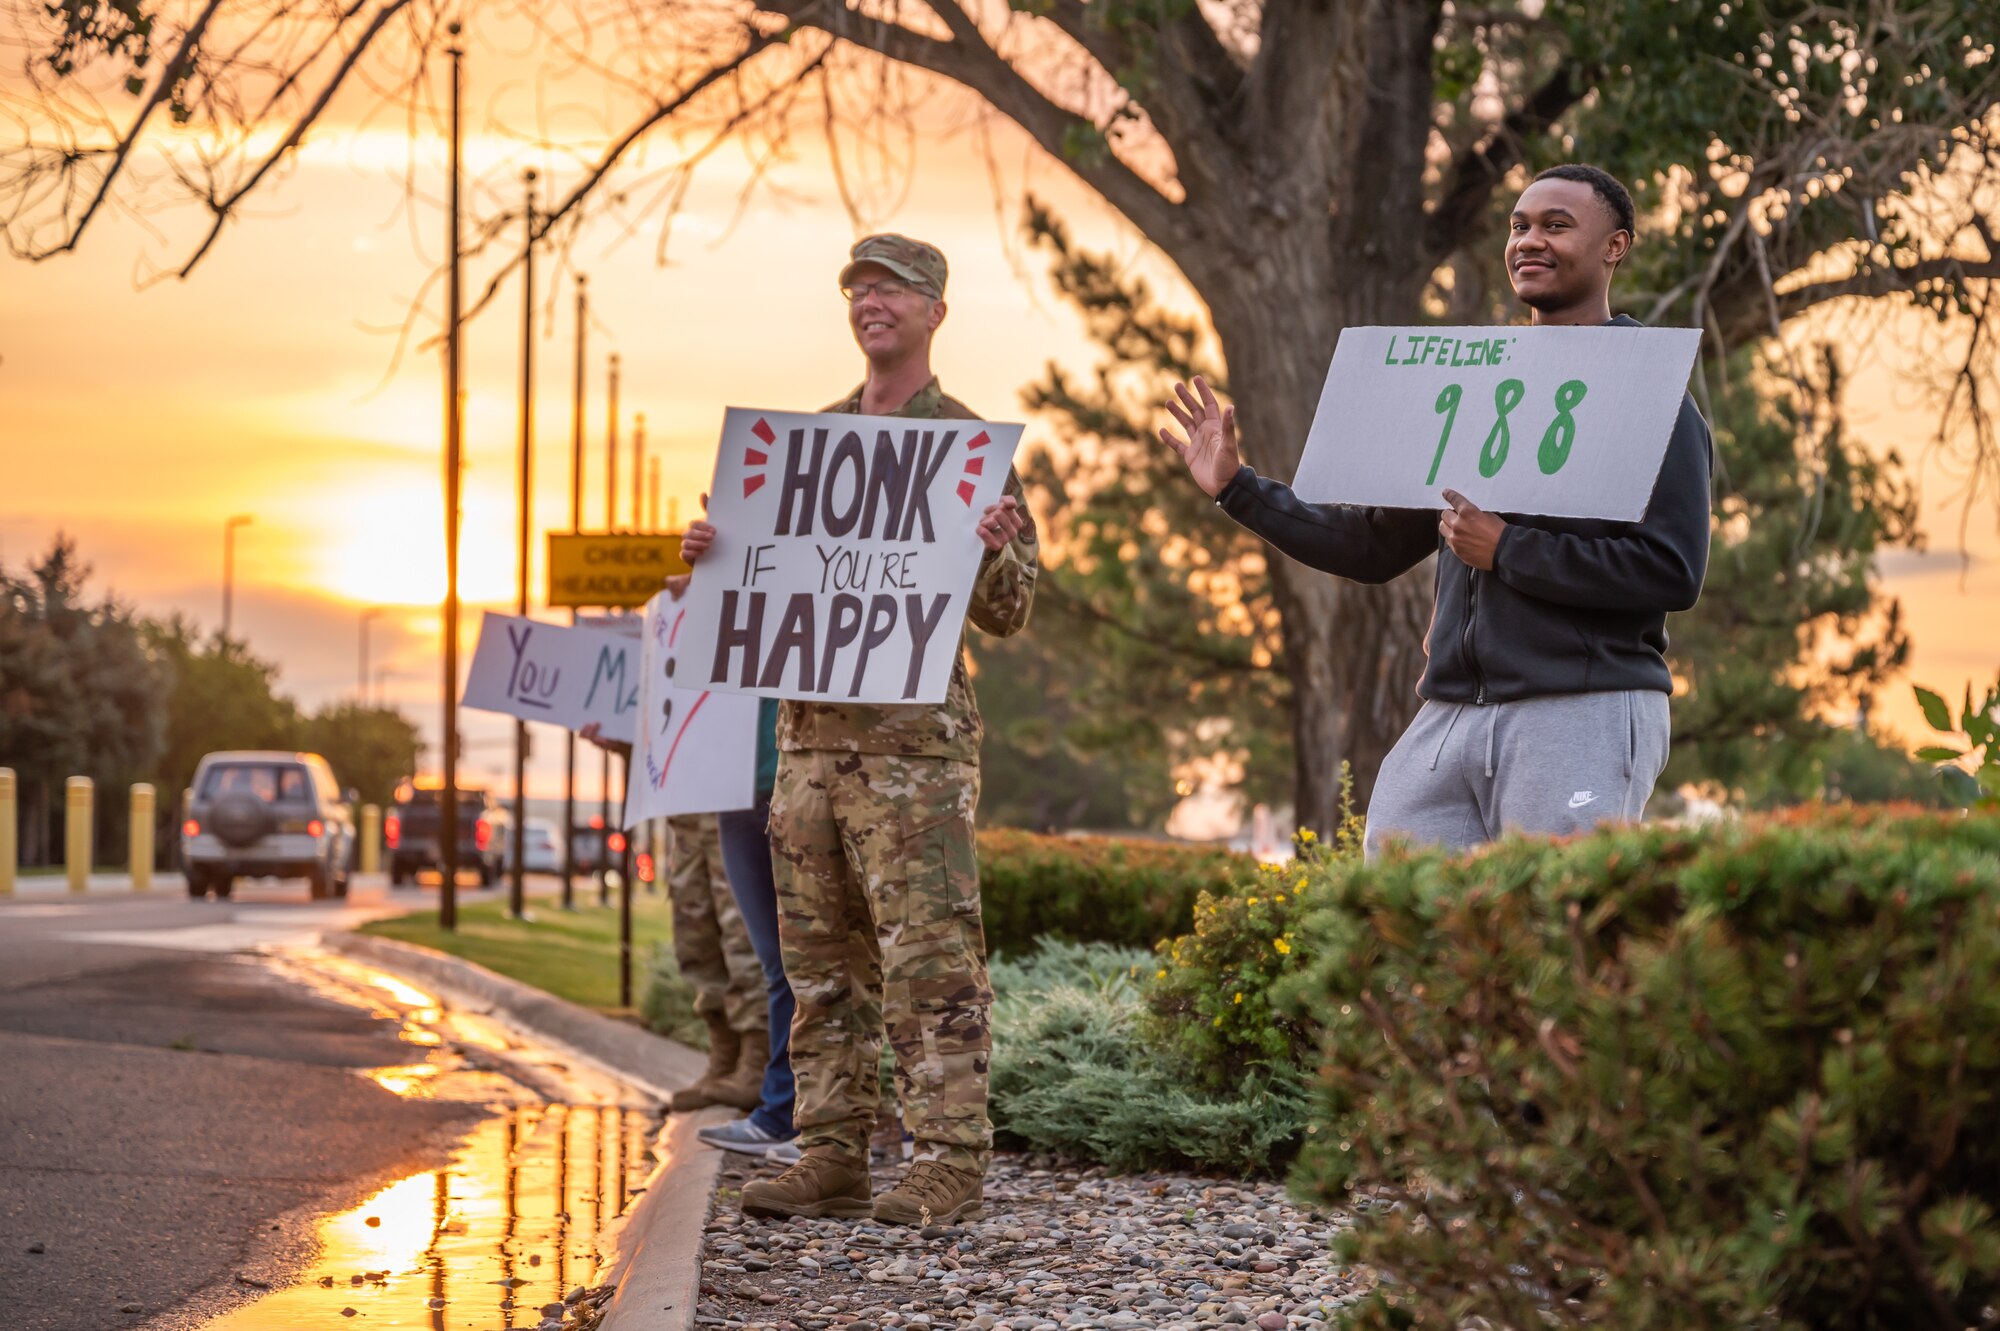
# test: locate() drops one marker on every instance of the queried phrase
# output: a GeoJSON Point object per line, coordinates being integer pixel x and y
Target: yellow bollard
{"type": "Point", "coordinates": [142, 837]}
{"type": "Point", "coordinates": [9, 848]}
{"type": "Point", "coordinates": [371, 838]}
{"type": "Point", "coordinates": [78, 793]}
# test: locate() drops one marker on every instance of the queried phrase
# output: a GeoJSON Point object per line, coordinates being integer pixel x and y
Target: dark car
{"type": "Point", "coordinates": [413, 833]}
{"type": "Point", "coordinates": [263, 814]}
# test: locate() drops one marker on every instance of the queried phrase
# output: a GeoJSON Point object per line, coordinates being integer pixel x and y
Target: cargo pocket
{"type": "Point", "coordinates": [940, 868]}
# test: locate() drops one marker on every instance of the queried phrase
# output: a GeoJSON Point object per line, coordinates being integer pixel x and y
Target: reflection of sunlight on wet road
{"type": "Point", "coordinates": [511, 1225]}
{"type": "Point", "coordinates": [514, 1222]}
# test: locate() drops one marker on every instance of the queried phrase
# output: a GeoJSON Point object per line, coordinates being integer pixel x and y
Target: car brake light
{"type": "Point", "coordinates": [644, 868]}
{"type": "Point", "coordinates": [617, 842]}
{"type": "Point", "coordinates": [392, 830]}
{"type": "Point", "coordinates": [482, 832]}
{"type": "Point", "coordinates": [315, 828]}
{"type": "Point", "coordinates": [191, 828]}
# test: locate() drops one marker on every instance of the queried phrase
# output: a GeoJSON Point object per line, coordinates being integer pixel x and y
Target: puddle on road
{"type": "Point", "coordinates": [515, 1221]}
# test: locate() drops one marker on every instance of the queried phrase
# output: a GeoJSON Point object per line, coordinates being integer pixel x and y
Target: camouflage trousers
{"type": "Point", "coordinates": [711, 944]}
{"type": "Point", "coordinates": [878, 918]}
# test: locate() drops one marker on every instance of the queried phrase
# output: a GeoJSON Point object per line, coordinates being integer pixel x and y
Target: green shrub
{"type": "Point", "coordinates": [1093, 889]}
{"type": "Point", "coordinates": [1745, 1076]}
{"type": "Point", "coordinates": [1074, 1075]}
{"type": "Point", "coordinates": [667, 1006]}
{"type": "Point", "coordinates": [1221, 995]}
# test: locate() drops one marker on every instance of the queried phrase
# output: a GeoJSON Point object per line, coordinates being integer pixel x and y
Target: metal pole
{"type": "Point", "coordinates": [10, 849]}
{"type": "Point", "coordinates": [517, 896]}
{"type": "Point", "coordinates": [454, 418]}
{"type": "Point", "coordinates": [575, 525]}
{"type": "Point", "coordinates": [371, 613]}
{"type": "Point", "coordinates": [639, 472]}
{"type": "Point", "coordinates": [77, 829]}
{"type": "Point", "coordinates": [610, 524]}
{"type": "Point", "coordinates": [229, 527]}
{"type": "Point", "coordinates": [624, 902]}
{"type": "Point", "coordinates": [139, 835]}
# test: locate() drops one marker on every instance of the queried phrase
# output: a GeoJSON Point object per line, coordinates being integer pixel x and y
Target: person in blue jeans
{"type": "Point", "coordinates": [746, 857]}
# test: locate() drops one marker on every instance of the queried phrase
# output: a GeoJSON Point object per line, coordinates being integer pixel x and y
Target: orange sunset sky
{"type": "Point", "coordinates": [269, 384]}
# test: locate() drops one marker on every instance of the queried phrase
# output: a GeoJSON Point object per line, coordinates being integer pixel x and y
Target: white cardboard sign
{"type": "Point", "coordinates": [696, 750]}
{"type": "Point", "coordinates": [563, 675]}
{"type": "Point", "coordinates": [1565, 422]}
{"type": "Point", "coordinates": [844, 554]}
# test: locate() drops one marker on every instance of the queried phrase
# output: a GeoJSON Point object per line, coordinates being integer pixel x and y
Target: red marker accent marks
{"type": "Point", "coordinates": [751, 485]}
{"type": "Point", "coordinates": [975, 466]}
{"type": "Point", "coordinates": [675, 631]}
{"type": "Point", "coordinates": [979, 440]}
{"type": "Point", "coordinates": [752, 457]}
{"type": "Point", "coordinates": [763, 431]}
{"type": "Point", "coordinates": [668, 765]}
{"type": "Point", "coordinates": [965, 492]}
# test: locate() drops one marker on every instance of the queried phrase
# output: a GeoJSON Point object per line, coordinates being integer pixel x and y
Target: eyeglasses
{"type": "Point", "coordinates": [889, 288]}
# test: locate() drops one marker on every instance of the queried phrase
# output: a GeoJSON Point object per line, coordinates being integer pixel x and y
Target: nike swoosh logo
{"type": "Point", "coordinates": [1581, 798]}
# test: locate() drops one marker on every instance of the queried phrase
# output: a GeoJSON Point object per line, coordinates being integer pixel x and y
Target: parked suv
{"type": "Point", "coordinates": [414, 835]}
{"type": "Point", "coordinates": [266, 814]}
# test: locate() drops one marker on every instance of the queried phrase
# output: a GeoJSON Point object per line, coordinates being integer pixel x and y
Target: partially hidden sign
{"type": "Point", "coordinates": [1565, 422]}
{"type": "Point", "coordinates": [600, 569]}
{"type": "Point", "coordinates": [563, 675]}
{"type": "Point", "coordinates": [844, 554]}
{"type": "Point", "coordinates": [696, 750]}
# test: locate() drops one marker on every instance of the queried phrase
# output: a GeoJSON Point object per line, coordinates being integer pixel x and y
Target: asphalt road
{"type": "Point", "coordinates": [174, 1112]}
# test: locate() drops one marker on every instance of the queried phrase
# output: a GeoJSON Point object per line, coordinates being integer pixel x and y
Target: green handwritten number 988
{"type": "Point", "coordinates": [1556, 440]}
{"type": "Point", "coordinates": [1506, 396]}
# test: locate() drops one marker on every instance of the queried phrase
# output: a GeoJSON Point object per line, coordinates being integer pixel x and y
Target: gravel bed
{"type": "Point", "coordinates": [1055, 1249]}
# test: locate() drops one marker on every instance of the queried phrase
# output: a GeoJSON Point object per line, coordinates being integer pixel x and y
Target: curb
{"type": "Point", "coordinates": [651, 1062]}
{"type": "Point", "coordinates": [657, 1243]}
{"type": "Point", "coordinates": [658, 1265]}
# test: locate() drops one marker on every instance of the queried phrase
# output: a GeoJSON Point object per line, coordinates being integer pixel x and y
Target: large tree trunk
{"type": "Point", "coordinates": [1325, 242]}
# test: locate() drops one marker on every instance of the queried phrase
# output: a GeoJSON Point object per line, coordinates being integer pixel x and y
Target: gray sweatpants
{"type": "Point", "coordinates": [1462, 775]}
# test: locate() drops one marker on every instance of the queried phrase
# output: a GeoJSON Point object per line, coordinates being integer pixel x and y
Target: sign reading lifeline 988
{"type": "Point", "coordinates": [1561, 422]}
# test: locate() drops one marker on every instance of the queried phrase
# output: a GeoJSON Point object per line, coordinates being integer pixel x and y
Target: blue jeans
{"type": "Point", "coordinates": [746, 857]}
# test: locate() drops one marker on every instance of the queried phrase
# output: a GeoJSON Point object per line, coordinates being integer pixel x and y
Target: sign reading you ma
{"type": "Point", "coordinates": [555, 673]}
{"type": "Point", "coordinates": [1564, 422]}
{"type": "Point", "coordinates": [844, 554]}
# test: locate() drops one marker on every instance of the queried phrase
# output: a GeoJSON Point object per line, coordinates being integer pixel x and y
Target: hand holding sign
{"type": "Point", "coordinates": [840, 560]}
{"type": "Point", "coordinates": [1472, 533]}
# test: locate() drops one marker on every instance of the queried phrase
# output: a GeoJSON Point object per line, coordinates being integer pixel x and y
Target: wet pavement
{"type": "Point", "coordinates": [196, 1136]}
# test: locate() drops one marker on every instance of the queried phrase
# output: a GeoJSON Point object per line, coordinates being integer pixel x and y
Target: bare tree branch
{"type": "Point", "coordinates": [1479, 167]}
{"type": "Point", "coordinates": [169, 76]}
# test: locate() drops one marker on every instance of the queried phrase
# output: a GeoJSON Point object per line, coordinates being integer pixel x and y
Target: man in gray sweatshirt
{"type": "Point", "coordinates": [1545, 682]}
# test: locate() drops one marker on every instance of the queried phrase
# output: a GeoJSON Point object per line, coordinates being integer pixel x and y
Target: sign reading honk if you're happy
{"type": "Point", "coordinates": [1563, 422]}
{"type": "Point", "coordinates": [844, 554]}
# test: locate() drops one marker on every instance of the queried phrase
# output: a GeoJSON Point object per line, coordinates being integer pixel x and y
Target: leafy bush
{"type": "Point", "coordinates": [1977, 732]}
{"type": "Point", "coordinates": [1093, 889]}
{"type": "Point", "coordinates": [1221, 996]}
{"type": "Point", "coordinates": [1074, 1075]}
{"type": "Point", "coordinates": [667, 1006]}
{"type": "Point", "coordinates": [1747, 1076]}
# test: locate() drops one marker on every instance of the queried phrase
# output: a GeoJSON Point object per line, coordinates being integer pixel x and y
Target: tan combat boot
{"type": "Point", "coordinates": [932, 1193]}
{"type": "Point", "coordinates": [744, 1088]}
{"type": "Point", "coordinates": [820, 1184]}
{"type": "Point", "coordinates": [725, 1049]}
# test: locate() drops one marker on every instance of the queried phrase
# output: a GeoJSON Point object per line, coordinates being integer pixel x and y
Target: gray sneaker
{"type": "Point", "coordinates": [745, 1137]}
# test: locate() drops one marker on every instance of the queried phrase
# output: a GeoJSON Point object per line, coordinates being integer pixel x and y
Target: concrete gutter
{"type": "Point", "coordinates": [657, 1261]}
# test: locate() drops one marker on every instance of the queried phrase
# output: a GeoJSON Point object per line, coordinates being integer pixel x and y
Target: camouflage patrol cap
{"type": "Point", "coordinates": [921, 265]}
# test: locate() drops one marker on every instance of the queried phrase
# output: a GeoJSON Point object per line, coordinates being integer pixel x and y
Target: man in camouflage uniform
{"type": "Point", "coordinates": [712, 948]}
{"type": "Point", "coordinates": [871, 839]}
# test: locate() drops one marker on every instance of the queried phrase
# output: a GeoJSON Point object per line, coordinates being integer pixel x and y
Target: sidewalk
{"type": "Point", "coordinates": [102, 883]}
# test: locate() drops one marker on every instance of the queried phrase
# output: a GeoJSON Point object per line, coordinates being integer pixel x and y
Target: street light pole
{"type": "Point", "coordinates": [517, 895]}
{"type": "Point", "coordinates": [610, 524]}
{"type": "Point", "coordinates": [229, 527]}
{"type": "Point", "coordinates": [371, 613]}
{"type": "Point", "coordinates": [575, 525]}
{"type": "Point", "coordinates": [453, 465]}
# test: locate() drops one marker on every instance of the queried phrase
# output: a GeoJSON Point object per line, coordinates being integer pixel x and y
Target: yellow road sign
{"type": "Point", "coordinates": [610, 570]}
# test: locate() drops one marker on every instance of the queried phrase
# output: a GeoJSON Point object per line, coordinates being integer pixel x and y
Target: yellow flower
{"type": "Point", "coordinates": [1281, 945]}
{"type": "Point", "coordinates": [1161, 976]}
{"type": "Point", "coordinates": [1307, 836]}
{"type": "Point", "coordinates": [1252, 901]}
{"type": "Point", "coordinates": [1302, 882]}
{"type": "Point", "coordinates": [1218, 1021]}
{"type": "Point", "coordinates": [1239, 998]}
{"type": "Point", "coordinates": [1277, 896]}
